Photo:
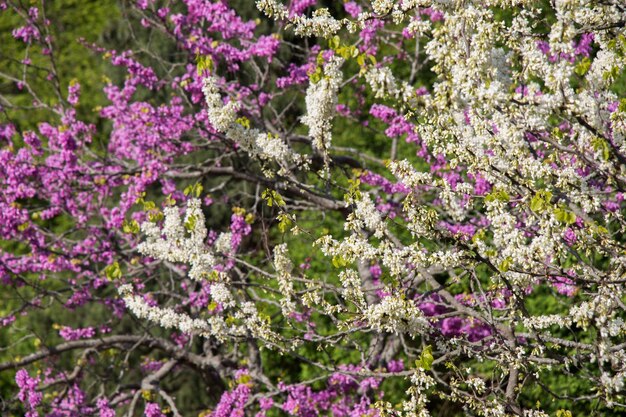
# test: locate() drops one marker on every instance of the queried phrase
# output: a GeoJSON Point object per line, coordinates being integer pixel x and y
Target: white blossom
{"type": "Point", "coordinates": [321, 99]}
{"type": "Point", "coordinates": [394, 314]}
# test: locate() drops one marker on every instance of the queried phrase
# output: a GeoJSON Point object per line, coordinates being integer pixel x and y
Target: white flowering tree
{"type": "Point", "coordinates": [494, 259]}
{"type": "Point", "coordinates": [431, 218]}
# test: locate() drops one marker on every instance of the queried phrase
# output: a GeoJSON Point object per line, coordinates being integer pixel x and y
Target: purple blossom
{"type": "Point", "coordinates": [376, 271]}
{"type": "Point", "coordinates": [7, 131]}
{"type": "Point", "coordinates": [395, 365]}
{"type": "Point", "coordinates": [398, 125]}
{"type": "Point", "coordinates": [387, 186]}
{"type": "Point", "coordinates": [239, 228]}
{"type": "Point", "coordinates": [265, 403]}
{"type": "Point", "coordinates": [563, 285]}
{"type": "Point", "coordinates": [353, 9]}
{"type": "Point", "coordinates": [73, 93]}
{"type": "Point", "coordinates": [569, 236]}
{"type": "Point", "coordinates": [584, 45]}
{"type": "Point", "coordinates": [297, 7]}
{"type": "Point", "coordinates": [232, 403]}
{"type": "Point", "coordinates": [28, 393]}
{"type": "Point", "coordinates": [6, 321]}
{"type": "Point", "coordinates": [104, 409]}
{"type": "Point", "coordinates": [296, 75]}
{"type": "Point", "coordinates": [26, 33]}
{"type": "Point", "coordinates": [68, 333]}
{"type": "Point", "coordinates": [153, 410]}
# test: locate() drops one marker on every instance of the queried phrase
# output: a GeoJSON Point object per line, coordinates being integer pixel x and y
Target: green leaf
{"type": "Point", "coordinates": [204, 63]}
{"type": "Point", "coordinates": [284, 222]}
{"type": "Point", "coordinates": [505, 265]}
{"type": "Point", "coordinates": [149, 205]}
{"type": "Point", "coordinates": [353, 190]}
{"type": "Point", "coordinates": [272, 197]}
{"type": "Point", "coordinates": [130, 227]}
{"type": "Point", "coordinates": [267, 196]}
{"type": "Point", "coordinates": [155, 216]}
{"type": "Point", "coordinates": [279, 200]}
{"type": "Point", "coordinates": [480, 235]}
{"type": "Point", "coordinates": [564, 216]}
{"type": "Point", "coordinates": [316, 76]}
{"type": "Point", "coordinates": [426, 359]}
{"type": "Point", "coordinates": [169, 201]}
{"type": "Point", "coordinates": [190, 224]}
{"type": "Point", "coordinates": [195, 189]}
{"type": "Point", "coordinates": [243, 121]}
{"type": "Point", "coordinates": [540, 201]}
{"type": "Point", "coordinates": [339, 262]}
{"type": "Point", "coordinates": [113, 271]}
{"type": "Point", "coordinates": [601, 145]}
{"type": "Point", "coordinates": [320, 59]}
{"type": "Point", "coordinates": [498, 194]}
{"type": "Point", "coordinates": [536, 203]}
{"type": "Point", "coordinates": [244, 379]}
{"type": "Point", "coordinates": [344, 52]}
{"type": "Point", "coordinates": [583, 66]}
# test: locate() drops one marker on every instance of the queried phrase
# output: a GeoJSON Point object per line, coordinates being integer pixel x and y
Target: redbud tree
{"type": "Point", "coordinates": [303, 208]}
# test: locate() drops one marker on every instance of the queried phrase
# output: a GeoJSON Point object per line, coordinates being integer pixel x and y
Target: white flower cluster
{"type": "Point", "coordinates": [599, 310]}
{"type": "Point", "coordinates": [352, 291]}
{"type": "Point", "coordinates": [382, 7]}
{"type": "Point", "coordinates": [546, 321]}
{"type": "Point", "coordinates": [283, 267]}
{"type": "Point", "coordinates": [416, 405]}
{"type": "Point", "coordinates": [321, 99]}
{"type": "Point", "coordinates": [214, 326]}
{"type": "Point", "coordinates": [222, 117]}
{"type": "Point", "coordinates": [221, 294]}
{"type": "Point", "coordinates": [273, 9]}
{"type": "Point", "coordinates": [394, 314]}
{"type": "Point", "coordinates": [255, 323]}
{"type": "Point", "coordinates": [613, 383]}
{"type": "Point", "coordinates": [264, 146]}
{"type": "Point", "coordinates": [185, 242]}
{"type": "Point", "coordinates": [273, 148]}
{"type": "Point", "coordinates": [180, 241]}
{"type": "Point", "coordinates": [349, 249]}
{"type": "Point", "coordinates": [164, 317]}
{"type": "Point", "coordinates": [385, 85]}
{"type": "Point", "coordinates": [321, 24]}
{"type": "Point", "coordinates": [410, 177]}
{"type": "Point", "coordinates": [365, 216]}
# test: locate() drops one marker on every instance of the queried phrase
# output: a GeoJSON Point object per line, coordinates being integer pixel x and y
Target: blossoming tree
{"type": "Point", "coordinates": [362, 208]}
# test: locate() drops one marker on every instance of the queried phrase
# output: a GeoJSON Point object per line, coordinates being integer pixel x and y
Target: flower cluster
{"type": "Point", "coordinates": [321, 99]}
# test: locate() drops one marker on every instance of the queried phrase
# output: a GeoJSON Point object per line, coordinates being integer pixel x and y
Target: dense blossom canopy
{"type": "Point", "coordinates": [358, 208]}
